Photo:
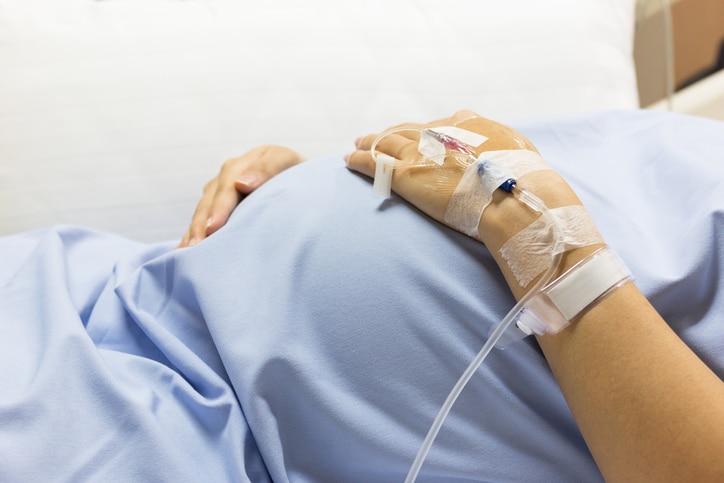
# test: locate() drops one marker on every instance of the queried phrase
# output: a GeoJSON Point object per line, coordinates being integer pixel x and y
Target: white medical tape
{"type": "Point", "coordinates": [475, 190]}
{"type": "Point", "coordinates": [429, 146]}
{"type": "Point", "coordinates": [569, 296]}
{"type": "Point", "coordinates": [433, 149]}
{"type": "Point", "coordinates": [382, 184]}
{"type": "Point", "coordinates": [577, 289]}
{"type": "Point", "coordinates": [472, 194]}
{"type": "Point", "coordinates": [530, 251]}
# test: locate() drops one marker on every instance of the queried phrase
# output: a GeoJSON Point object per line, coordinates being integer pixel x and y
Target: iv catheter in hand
{"type": "Point", "coordinates": [451, 143]}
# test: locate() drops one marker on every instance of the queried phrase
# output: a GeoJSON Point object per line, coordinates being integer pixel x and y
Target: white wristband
{"type": "Point", "coordinates": [570, 295]}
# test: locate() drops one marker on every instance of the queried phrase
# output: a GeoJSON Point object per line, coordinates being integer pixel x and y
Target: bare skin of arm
{"type": "Point", "coordinates": [647, 406]}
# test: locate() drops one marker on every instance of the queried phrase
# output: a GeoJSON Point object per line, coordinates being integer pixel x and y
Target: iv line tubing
{"type": "Point", "coordinates": [536, 204]}
{"type": "Point", "coordinates": [387, 133]}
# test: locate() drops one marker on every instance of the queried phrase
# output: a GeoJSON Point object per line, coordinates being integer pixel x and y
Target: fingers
{"type": "Point", "coordinates": [225, 200]}
{"type": "Point", "coordinates": [400, 138]}
{"type": "Point", "coordinates": [237, 177]}
{"type": "Point", "coordinates": [220, 197]}
{"type": "Point", "coordinates": [212, 211]}
{"type": "Point", "coordinates": [362, 162]}
{"type": "Point", "coordinates": [248, 182]}
{"type": "Point", "coordinates": [401, 144]}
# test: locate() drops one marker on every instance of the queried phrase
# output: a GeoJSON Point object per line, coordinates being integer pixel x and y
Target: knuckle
{"type": "Point", "coordinates": [228, 163]}
{"type": "Point", "coordinates": [210, 186]}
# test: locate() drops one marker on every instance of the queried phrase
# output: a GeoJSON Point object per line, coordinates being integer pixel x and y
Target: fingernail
{"type": "Point", "coordinates": [209, 220]}
{"type": "Point", "coordinates": [346, 158]}
{"type": "Point", "coordinates": [357, 141]}
{"type": "Point", "coordinates": [193, 242]}
{"type": "Point", "coordinates": [247, 179]}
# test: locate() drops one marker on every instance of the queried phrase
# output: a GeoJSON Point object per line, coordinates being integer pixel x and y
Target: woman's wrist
{"type": "Point", "coordinates": [506, 216]}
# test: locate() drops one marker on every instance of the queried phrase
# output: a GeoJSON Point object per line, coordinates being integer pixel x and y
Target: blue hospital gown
{"type": "Point", "coordinates": [315, 336]}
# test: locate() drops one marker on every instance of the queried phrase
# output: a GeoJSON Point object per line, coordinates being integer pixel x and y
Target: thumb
{"type": "Point", "coordinates": [248, 182]}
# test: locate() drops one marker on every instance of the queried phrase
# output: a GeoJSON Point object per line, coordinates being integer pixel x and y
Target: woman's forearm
{"type": "Point", "coordinates": [647, 406]}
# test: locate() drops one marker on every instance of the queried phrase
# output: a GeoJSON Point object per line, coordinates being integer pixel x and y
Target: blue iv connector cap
{"type": "Point", "coordinates": [508, 185]}
{"type": "Point", "coordinates": [488, 168]}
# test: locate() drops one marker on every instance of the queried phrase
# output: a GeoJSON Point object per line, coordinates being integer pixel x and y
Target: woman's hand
{"type": "Point", "coordinates": [427, 186]}
{"type": "Point", "coordinates": [237, 178]}
{"type": "Point", "coordinates": [430, 187]}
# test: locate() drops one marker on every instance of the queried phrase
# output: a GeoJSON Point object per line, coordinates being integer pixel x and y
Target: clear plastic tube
{"type": "Point", "coordinates": [451, 144]}
{"type": "Point", "coordinates": [536, 204]}
{"type": "Point", "coordinates": [373, 148]}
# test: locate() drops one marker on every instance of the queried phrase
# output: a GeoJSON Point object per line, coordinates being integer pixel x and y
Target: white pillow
{"type": "Point", "coordinates": [115, 113]}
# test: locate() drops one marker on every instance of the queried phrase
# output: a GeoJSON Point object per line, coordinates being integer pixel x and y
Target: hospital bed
{"type": "Point", "coordinates": [123, 359]}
